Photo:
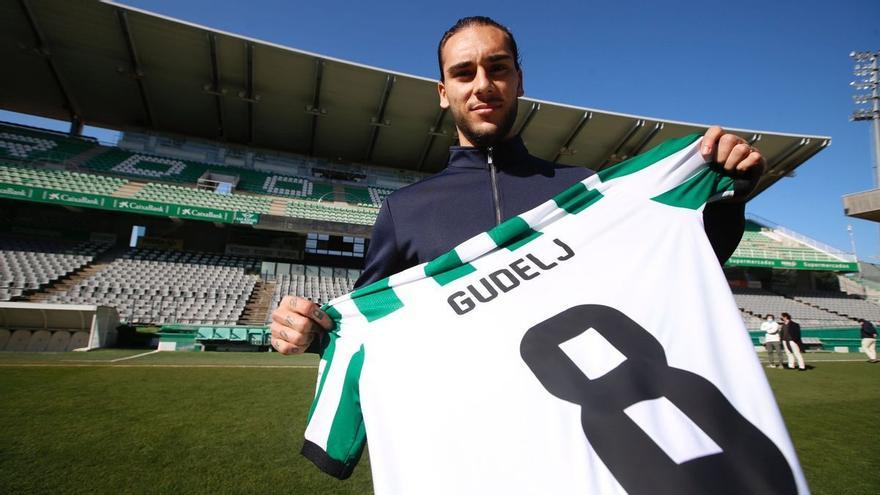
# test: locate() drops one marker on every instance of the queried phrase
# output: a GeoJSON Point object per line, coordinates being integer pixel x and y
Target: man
{"type": "Point", "coordinates": [869, 340]}
{"type": "Point", "coordinates": [490, 176]}
{"type": "Point", "coordinates": [791, 342]}
{"type": "Point", "coordinates": [772, 342]}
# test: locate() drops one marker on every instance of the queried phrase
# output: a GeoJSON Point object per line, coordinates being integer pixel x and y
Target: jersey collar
{"type": "Point", "coordinates": [504, 154]}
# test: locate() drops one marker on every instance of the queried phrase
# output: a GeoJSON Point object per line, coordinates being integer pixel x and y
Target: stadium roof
{"type": "Point", "coordinates": [115, 66]}
{"type": "Point", "coordinates": [864, 205]}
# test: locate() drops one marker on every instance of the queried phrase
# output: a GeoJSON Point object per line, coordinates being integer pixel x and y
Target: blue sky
{"type": "Point", "coordinates": [779, 66]}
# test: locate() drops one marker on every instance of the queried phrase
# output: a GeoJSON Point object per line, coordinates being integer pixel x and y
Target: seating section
{"type": "Point", "coordinates": [758, 242]}
{"type": "Point", "coordinates": [145, 166]}
{"type": "Point", "coordinates": [331, 213]}
{"type": "Point", "coordinates": [30, 265]}
{"type": "Point", "coordinates": [17, 143]}
{"type": "Point", "coordinates": [319, 285]}
{"type": "Point", "coordinates": [282, 185]}
{"type": "Point", "coordinates": [117, 161]}
{"type": "Point", "coordinates": [41, 340]}
{"type": "Point", "coordinates": [167, 193]}
{"type": "Point", "coordinates": [378, 195]}
{"type": "Point", "coordinates": [59, 179]}
{"type": "Point", "coordinates": [149, 286]}
{"type": "Point", "coordinates": [358, 196]}
{"type": "Point", "coordinates": [758, 303]}
{"type": "Point", "coordinates": [838, 302]}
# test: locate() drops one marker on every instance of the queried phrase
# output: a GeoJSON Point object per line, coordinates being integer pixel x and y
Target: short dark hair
{"type": "Point", "coordinates": [770, 315]}
{"type": "Point", "coordinates": [477, 20]}
{"type": "Point", "coordinates": [786, 316]}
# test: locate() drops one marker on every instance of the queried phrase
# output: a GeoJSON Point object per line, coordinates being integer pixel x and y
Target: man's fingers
{"type": "Point", "coordinates": [296, 322]}
{"type": "Point", "coordinates": [726, 145]}
{"type": "Point", "coordinates": [754, 161]}
{"type": "Point", "coordinates": [288, 341]}
{"type": "Point", "coordinates": [295, 336]}
{"type": "Point", "coordinates": [737, 154]}
{"type": "Point", "coordinates": [710, 142]}
{"type": "Point", "coordinates": [303, 306]}
{"type": "Point", "coordinates": [286, 348]}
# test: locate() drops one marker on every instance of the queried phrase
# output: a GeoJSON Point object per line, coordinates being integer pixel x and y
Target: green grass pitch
{"type": "Point", "coordinates": [233, 423]}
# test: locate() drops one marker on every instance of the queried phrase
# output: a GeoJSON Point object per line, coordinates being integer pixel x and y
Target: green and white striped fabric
{"type": "Point", "coordinates": [434, 363]}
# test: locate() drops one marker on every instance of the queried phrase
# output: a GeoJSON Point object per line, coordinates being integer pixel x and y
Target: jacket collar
{"type": "Point", "coordinates": [504, 154]}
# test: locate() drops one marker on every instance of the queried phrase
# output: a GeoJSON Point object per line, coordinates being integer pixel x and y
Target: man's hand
{"type": "Point", "coordinates": [733, 152]}
{"type": "Point", "coordinates": [294, 323]}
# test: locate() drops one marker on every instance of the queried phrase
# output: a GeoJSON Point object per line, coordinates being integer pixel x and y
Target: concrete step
{"type": "Point", "coordinates": [128, 190]}
{"type": "Point", "coordinates": [257, 307]}
{"type": "Point", "coordinates": [278, 206]}
{"type": "Point", "coordinates": [70, 281]}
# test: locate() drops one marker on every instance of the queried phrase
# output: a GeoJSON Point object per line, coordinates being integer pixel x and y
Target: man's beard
{"type": "Point", "coordinates": [483, 139]}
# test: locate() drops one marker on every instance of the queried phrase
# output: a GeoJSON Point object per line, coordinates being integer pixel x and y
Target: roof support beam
{"type": "Point", "coordinates": [249, 96]}
{"type": "Point", "coordinates": [136, 71]}
{"type": "Point", "coordinates": [529, 116]}
{"type": "Point", "coordinates": [565, 149]}
{"type": "Point", "coordinates": [46, 53]}
{"type": "Point", "coordinates": [379, 120]}
{"type": "Point", "coordinates": [215, 85]}
{"type": "Point", "coordinates": [771, 175]}
{"type": "Point", "coordinates": [613, 157]}
{"type": "Point", "coordinates": [432, 135]}
{"type": "Point", "coordinates": [644, 142]}
{"type": "Point", "coordinates": [315, 108]}
{"type": "Point", "coordinates": [785, 155]}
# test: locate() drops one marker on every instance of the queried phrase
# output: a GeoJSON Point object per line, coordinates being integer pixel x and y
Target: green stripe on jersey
{"type": "Point", "coordinates": [326, 356]}
{"type": "Point", "coordinates": [447, 267]}
{"type": "Point", "coordinates": [577, 198]}
{"type": "Point", "coordinates": [648, 158]}
{"type": "Point", "coordinates": [513, 234]}
{"type": "Point", "coordinates": [376, 300]}
{"type": "Point", "coordinates": [694, 192]}
{"type": "Point", "coordinates": [346, 439]}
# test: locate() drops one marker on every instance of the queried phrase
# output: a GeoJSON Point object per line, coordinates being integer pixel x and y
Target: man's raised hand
{"type": "Point", "coordinates": [294, 324]}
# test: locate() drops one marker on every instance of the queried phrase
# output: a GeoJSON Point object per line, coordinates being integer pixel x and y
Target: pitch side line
{"type": "Point", "coordinates": [107, 364]}
{"type": "Point", "coordinates": [135, 356]}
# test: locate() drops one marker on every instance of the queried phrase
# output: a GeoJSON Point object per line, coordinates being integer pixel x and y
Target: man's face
{"type": "Point", "coordinates": [481, 85]}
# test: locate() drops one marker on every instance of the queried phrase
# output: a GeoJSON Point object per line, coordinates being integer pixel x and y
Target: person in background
{"type": "Point", "coordinates": [869, 340]}
{"type": "Point", "coordinates": [772, 342]}
{"type": "Point", "coordinates": [791, 342]}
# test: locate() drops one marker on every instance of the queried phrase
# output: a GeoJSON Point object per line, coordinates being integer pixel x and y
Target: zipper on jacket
{"type": "Point", "coordinates": [494, 181]}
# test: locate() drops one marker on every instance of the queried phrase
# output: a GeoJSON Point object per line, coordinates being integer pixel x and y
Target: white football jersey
{"type": "Point", "coordinates": [589, 345]}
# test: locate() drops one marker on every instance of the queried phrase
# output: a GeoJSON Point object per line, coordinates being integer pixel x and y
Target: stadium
{"type": "Point", "coordinates": [246, 171]}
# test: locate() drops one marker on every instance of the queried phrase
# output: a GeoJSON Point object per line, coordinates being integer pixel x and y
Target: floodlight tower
{"type": "Point", "coordinates": [868, 92]}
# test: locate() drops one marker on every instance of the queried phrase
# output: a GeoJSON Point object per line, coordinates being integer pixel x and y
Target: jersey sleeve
{"type": "Point", "coordinates": [672, 173]}
{"type": "Point", "coordinates": [335, 434]}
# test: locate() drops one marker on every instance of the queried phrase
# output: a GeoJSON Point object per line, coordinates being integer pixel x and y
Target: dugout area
{"type": "Point", "coordinates": [34, 327]}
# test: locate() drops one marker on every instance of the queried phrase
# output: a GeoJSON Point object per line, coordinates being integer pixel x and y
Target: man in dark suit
{"type": "Point", "coordinates": [791, 342]}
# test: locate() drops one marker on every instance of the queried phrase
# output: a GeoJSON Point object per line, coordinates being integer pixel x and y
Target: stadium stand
{"type": "Point", "coordinates": [28, 265]}
{"type": "Point", "coordinates": [762, 242]}
{"type": "Point", "coordinates": [317, 284]}
{"type": "Point", "coordinates": [59, 179]}
{"type": "Point", "coordinates": [149, 286]}
{"type": "Point", "coordinates": [840, 303]}
{"type": "Point", "coordinates": [118, 161]}
{"type": "Point", "coordinates": [26, 144]}
{"type": "Point", "coordinates": [333, 213]}
{"type": "Point", "coordinates": [378, 195]}
{"type": "Point", "coordinates": [758, 303]}
{"type": "Point", "coordinates": [167, 193]}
